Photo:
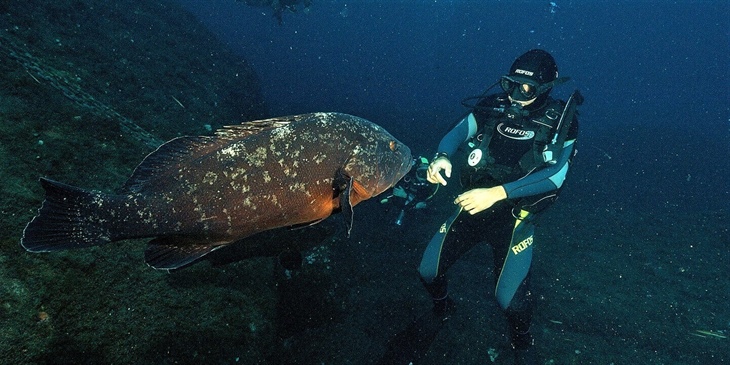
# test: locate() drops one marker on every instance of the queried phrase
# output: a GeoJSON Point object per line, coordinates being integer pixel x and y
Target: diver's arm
{"type": "Point", "coordinates": [550, 178]}
{"type": "Point", "coordinates": [464, 130]}
{"type": "Point", "coordinates": [543, 180]}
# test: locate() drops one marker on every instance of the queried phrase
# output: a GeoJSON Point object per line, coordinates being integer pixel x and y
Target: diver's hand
{"type": "Point", "coordinates": [477, 200]}
{"type": "Point", "coordinates": [400, 192]}
{"type": "Point", "coordinates": [433, 175]}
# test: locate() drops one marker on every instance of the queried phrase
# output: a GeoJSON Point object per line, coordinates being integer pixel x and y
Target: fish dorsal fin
{"type": "Point", "coordinates": [172, 152]}
{"type": "Point", "coordinates": [247, 129]}
{"type": "Point", "coordinates": [183, 149]}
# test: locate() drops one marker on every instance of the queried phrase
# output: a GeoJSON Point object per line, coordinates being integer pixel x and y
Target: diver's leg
{"type": "Point", "coordinates": [519, 316]}
{"type": "Point", "coordinates": [453, 239]}
{"type": "Point", "coordinates": [513, 263]}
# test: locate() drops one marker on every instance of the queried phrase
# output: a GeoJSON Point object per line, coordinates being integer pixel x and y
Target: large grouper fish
{"type": "Point", "coordinates": [194, 195]}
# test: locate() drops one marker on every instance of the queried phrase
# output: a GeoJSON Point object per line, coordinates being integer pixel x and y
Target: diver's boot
{"type": "Point", "coordinates": [524, 348]}
{"type": "Point", "coordinates": [439, 290]}
{"type": "Point", "coordinates": [443, 307]}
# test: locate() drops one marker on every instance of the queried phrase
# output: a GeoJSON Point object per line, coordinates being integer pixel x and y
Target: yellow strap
{"type": "Point", "coordinates": [520, 217]}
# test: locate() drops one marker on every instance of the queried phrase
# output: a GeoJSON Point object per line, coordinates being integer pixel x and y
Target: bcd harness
{"type": "Point", "coordinates": [547, 145]}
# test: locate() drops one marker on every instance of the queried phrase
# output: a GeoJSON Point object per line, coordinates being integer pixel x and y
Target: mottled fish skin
{"type": "Point", "coordinates": [279, 177]}
{"type": "Point", "coordinates": [248, 178]}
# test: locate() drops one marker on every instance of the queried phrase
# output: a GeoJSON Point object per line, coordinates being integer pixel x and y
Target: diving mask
{"type": "Point", "coordinates": [526, 89]}
{"type": "Point", "coordinates": [523, 88]}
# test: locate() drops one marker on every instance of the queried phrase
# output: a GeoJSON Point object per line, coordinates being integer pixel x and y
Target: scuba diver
{"type": "Point", "coordinates": [413, 191]}
{"type": "Point", "coordinates": [278, 7]}
{"type": "Point", "coordinates": [520, 143]}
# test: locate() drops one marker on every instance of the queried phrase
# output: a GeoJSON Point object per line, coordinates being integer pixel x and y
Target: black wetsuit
{"type": "Point", "coordinates": [511, 150]}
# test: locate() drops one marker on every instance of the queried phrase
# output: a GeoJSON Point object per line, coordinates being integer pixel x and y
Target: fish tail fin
{"type": "Point", "coordinates": [68, 218]}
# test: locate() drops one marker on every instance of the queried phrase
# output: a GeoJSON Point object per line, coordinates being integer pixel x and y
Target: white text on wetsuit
{"type": "Point", "coordinates": [527, 242]}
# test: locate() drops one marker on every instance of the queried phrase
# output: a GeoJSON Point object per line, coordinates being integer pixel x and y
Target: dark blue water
{"type": "Point", "coordinates": [655, 129]}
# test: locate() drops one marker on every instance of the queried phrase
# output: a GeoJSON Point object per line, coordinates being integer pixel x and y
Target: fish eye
{"type": "Point", "coordinates": [393, 146]}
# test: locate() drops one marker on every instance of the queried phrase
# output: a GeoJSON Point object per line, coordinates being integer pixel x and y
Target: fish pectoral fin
{"type": "Point", "coordinates": [358, 193]}
{"type": "Point", "coordinates": [350, 192]}
{"type": "Point", "coordinates": [346, 207]}
{"type": "Point", "coordinates": [354, 194]}
{"type": "Point", "coordinates": [170, 253]}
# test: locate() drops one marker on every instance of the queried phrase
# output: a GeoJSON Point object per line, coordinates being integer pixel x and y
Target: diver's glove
{"type": "Point", "coordinates": [477, 200]}
{"type": "Point", "coordinates": [400, 192]}
{"type": "Point", "coordinates": [433, 175]}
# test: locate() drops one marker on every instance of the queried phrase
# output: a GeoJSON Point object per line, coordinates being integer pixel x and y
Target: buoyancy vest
{"type": "Point", "coordinates": [505, 148]}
